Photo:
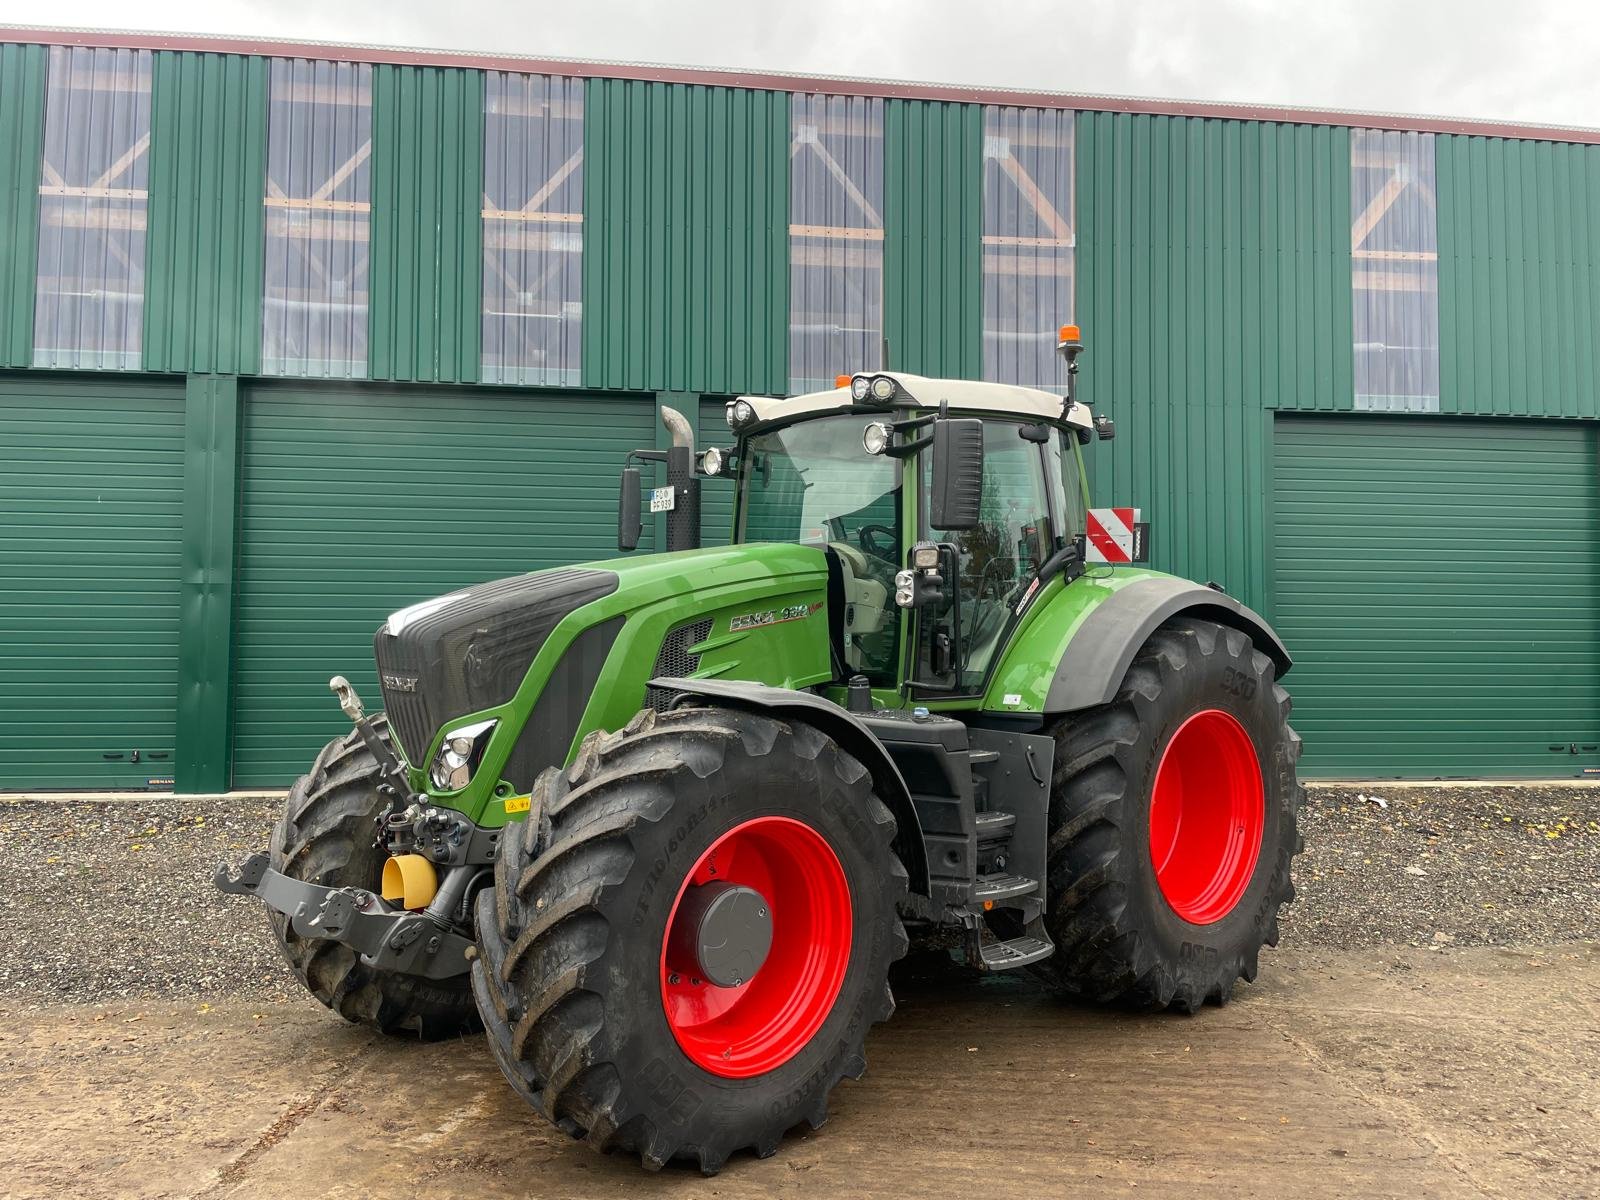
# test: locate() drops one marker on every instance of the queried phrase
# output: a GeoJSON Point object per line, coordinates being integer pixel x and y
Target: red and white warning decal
{"type": "Point", "coordinates": [1111, 536]}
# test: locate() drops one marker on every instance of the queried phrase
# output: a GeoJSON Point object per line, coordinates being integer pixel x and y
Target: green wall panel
{"type": "Point", "coordinates": [933, 225]}
{"type": "Point", "coordinates": [208, 131]}
{"type": "Point", "coordinates": [1213, 286]}
{"type": "Point", "coordinates": [205, 646]}
{"type": "Point", "coordinates": [91, 485]}
{"type": "Point", "coordinates": [427, 224]}
{"type": "Point", "coordinates": [1437, 581]}
{"type": "Point", "coordinates": [686, 277]}
{"type": "Point", "coordinates": [22, 71]}
{"type": "Point", "coordinates": [1519, 284]}
{"type": "Point", "coordinates": [356, 501]}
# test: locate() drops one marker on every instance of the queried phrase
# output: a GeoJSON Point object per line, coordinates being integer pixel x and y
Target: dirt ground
{"type": "Point", "coordinates": [1376, 1072]}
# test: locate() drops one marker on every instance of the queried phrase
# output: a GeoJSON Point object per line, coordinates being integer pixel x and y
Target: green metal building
{"type": "Point", "coordinates": [282, 325]}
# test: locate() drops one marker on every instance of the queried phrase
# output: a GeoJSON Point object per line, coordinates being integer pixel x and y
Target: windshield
{"type": "Point", "coordinates": [811, 482]}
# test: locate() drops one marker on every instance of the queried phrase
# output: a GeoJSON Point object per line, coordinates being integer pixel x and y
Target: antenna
{"type": "Point", "coordinates": [884, 365]}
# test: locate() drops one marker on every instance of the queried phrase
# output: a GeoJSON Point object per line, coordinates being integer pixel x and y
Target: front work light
{"type": "Point", "coordinates": [884, 388]}
{"type": "Point", "coordinates": [713, 461]}
{"type": "Point", "coordinates": [459, 756]}
{"type": "Point", "coordinates": [875, 437]}
{"type": "Point", "coordinates": [740, 413]}
{"type": "Point", "coordinates": [858, 387]}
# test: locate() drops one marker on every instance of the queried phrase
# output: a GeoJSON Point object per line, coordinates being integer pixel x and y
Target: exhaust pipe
{"type": "Point", "coordinates": [683, 520]}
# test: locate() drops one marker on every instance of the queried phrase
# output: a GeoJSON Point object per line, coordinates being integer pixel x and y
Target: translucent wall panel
{"type": "Point", "coordinates": [1028, 243]}
{"type": "Point", "coordinates": [318, 207]}
{"type": "Point", "coordinates": [835, 238]}
{"type": "Point", "coordinates": [1394, 253]}
{"type": "Point", "coordinates": [93, 181]}
{"type": "Point", "coordinates": [532, 229]}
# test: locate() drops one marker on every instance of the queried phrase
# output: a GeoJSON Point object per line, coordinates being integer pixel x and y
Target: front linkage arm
{"type": "Point", "coordinates": [386, 939]}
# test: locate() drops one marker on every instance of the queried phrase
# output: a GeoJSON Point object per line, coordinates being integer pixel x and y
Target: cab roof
{"type": "Point", "coordinates": [922, 392]}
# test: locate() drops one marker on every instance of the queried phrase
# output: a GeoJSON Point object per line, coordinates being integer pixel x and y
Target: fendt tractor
{"type": "Point", "coordinates": [660, 825]}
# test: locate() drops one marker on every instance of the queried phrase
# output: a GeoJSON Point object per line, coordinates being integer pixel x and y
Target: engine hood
{"type": "Point", "coordinates": [472, 649]}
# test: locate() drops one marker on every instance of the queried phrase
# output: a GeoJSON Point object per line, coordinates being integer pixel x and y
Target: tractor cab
{"type": "Point", "coordinates": [939, 503]}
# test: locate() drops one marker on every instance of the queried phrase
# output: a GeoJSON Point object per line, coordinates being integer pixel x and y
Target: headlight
{"type": "Point", "coordinates": [740, 413]}
{"type": "Point", "coordinates": [459, 756]}
{"type": "Point", "coordinates": [875, 437]}
{"type": "Point", "coordinates": [859, 386]}
{"type": "Point", "coordinates": [905, 589]}
{"type": "Point", "coordinates": [883, 388]}
{"type": "Point", "coordinates": [712, 461]}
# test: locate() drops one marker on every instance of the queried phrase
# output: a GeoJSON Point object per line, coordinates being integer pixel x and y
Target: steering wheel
{"type": "Point", "coordinates": [868, 536]}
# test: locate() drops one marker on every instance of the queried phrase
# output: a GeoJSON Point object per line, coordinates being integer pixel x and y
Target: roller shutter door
{"type": "Point", "coordinates": [91, 526]}
{"type": "Point", "coordinates": [357, 502]}
{"type": "Point", "coordinates": [1438, 583]}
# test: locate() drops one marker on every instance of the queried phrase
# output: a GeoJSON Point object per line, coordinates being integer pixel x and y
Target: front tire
{"type": "Point", "coordinates": [327, 836]}
{"type": "Point", "coordinates": [1172, 825]}
{"type": "Point", "coordinates": [594, 1006]}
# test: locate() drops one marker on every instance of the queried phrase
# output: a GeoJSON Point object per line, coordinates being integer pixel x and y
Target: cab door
{"type": "Point", "coordinates": [988, 568]}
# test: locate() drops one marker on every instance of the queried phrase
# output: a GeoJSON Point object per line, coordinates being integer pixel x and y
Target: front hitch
{"type": "Point", "coordinates": [387, 939]}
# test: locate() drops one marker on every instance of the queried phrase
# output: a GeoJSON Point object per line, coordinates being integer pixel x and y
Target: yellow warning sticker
{"type": "Point", "coordinates": [516, 804]}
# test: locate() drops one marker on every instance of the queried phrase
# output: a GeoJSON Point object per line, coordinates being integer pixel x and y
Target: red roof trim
{"type": "Point", "coordinates": [583, 69]}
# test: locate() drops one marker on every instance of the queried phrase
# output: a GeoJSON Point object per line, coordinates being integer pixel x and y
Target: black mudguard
{"type": "Point", "coordinates": [845, 728]}
{"type": "Point", "coordinates": [1103, 648]}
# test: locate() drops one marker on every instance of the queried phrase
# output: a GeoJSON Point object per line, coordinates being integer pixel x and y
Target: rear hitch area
{"type": "Point", "coordinates": [389, 939]}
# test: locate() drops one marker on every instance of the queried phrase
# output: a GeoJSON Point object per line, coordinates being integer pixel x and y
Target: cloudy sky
{"type": "Point", "coordinates": [1536, 61]}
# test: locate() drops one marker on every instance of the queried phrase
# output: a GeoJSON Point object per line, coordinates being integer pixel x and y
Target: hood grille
{"type": "Point", "coordinates": [474, 652]}
{"type": "Point", "coordinates": [674, 661]}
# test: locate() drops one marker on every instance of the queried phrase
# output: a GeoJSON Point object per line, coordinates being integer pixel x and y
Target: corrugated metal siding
{"type": "Point", "coordinates": [21, 142]}
{"type": "Point", "coordinates": [532, 230]}
{"type": "Point", "coordinates": [89, 309]}
{"type": "Point", "coordinates": [335, 534]}
{"type": "Point", "coordinates": [91, 485]}
{"type": "Point", "coordinates": [933, 225]}
{"type": "Point", "coordinates": [1519, 280]}
{"type": "Point", "coordinates": [1415, 655]}
{"type": "Point", "coordinates": [427, 225]}
{"type": "Point", "coordinates": [208, 158]}
{"type": "Point", "coordinates": [1213, 285]}
{"type": "Point", "coordinates": [686, 279]}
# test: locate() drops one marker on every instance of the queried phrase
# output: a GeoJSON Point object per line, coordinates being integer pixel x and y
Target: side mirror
{"type": "Point", "coordinates": [956, 491]}
{"type": "Point", "coordinates": [628, 519]}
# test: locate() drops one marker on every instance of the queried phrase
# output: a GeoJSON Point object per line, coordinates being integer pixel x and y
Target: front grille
{"type": "Point", "coordinates": [474, 652]}
{"type": "Point", "coordinates": [675, 661]}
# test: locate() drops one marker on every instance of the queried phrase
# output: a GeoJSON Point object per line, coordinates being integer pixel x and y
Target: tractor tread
{"type": "Point", "coordinates": [538, 968]}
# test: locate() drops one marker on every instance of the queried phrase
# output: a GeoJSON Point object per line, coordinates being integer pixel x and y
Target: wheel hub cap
{"type": "Point", "coordinates": [756, 947]}
{"type": "Point", "coordinates": [725, 929]}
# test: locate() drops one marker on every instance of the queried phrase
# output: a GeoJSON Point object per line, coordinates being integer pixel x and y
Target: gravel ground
{"type": "Point", "coordinates": [108, 900]}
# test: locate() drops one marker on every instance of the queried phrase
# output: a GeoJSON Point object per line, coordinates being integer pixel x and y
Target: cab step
{"type": "Point", "coordinates": [995, 824]}
{"type": "Point", "coordinates": [991, 889]}
{"type": "Point", "coordinates": [1018, 952]}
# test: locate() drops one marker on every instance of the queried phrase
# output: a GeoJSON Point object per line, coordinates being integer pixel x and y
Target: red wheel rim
{"type": "Point", "coordinates": [1207, 816]}
{"type": "Point", "coordinates": [763, 1023]}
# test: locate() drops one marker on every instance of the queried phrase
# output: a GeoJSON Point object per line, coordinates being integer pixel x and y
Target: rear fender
{"type": "Point", "coordinates": [1103, 647]}
{"type": "Point", "coordinates": [845, 728]}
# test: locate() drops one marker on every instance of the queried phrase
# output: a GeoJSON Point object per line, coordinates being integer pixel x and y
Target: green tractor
{"type": "Point", "coordinates": [660, 825]}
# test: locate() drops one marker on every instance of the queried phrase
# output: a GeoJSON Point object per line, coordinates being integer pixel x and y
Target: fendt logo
{"type": "Point", "coordinates": [399, 683]}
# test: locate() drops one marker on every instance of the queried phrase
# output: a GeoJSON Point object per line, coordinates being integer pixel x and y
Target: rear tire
{"type": "Point", "coordinates": [327, 836]}
{"type": "Point", "coordinates": [1171, 912]}
{"type": "Point", "coordinates": [573, 977]}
